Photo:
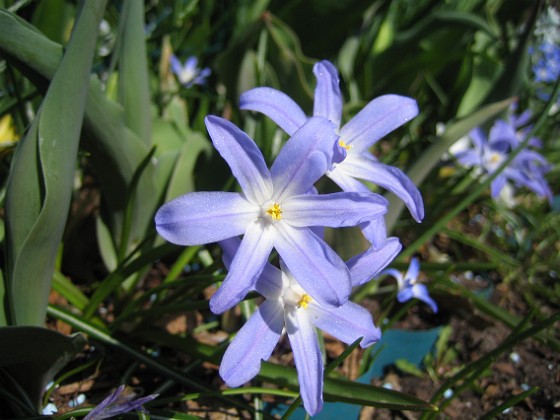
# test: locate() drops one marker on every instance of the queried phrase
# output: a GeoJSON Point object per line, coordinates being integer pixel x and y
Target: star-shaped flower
{"type": "Point", "coordinates": [408, 285]}
{"type": "Point", "coordinates": [118, 403]}
{"type": "Point", "coordinates": [288, 306]}
{"type": "Point", "coordinates": [275, 210]}
{"type": "Point", "coordinates": [378, 118]}
{"type": "Point", "coordinates": [189, 73]}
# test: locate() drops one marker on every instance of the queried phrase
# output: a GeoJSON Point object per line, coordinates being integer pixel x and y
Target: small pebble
{"type": "Point", "coordinates": [49, 409]}
{"type": "Point", "coordinates": [515, 358]}
{"type": "Point", "coordinates": [80, 399]}
{"type": "Point", "coordinates": [387, 385]}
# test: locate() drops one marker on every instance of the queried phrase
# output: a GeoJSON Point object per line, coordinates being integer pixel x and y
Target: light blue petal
{"type": "Point", "coordinates": [244, 158]}
{"type": "Point", "coordinates": [276, 105]}
{"type": "Point", "coordinates": [375, 231]}
{"type": "Point", "coordinates": [388, 177]}
{"type": "Point", "coordinates": [478, 138]}
{"type": "Point", "coordinates": [503, 132]}
{"type": "Point", "coordinates": [367, 265]}
{"type": "Point", "coordinates": [420, 292]}
{"type": "Point", "coordinates": [203, 217]}
{"type": "Point", "coordinates": [307, 356]}
{"type": "Point", "coordinates": [269, 283]}
{"type": "Point", "coordinates": [254, 342]}
{"type": "Point", "coordinates": [413, 270]}
{"type": "Point", "coordinates": [346, 182]}
{"type": "Point", "coordinates": [377, 119]}
{"type": "Point", "coordinates": [333, 210]}
{"type": "Point", "coordinates": [497, 184]}
{"type": "Point", "coordinates": [328, 100]}
{"type": "Point", "coordinates": [396, 274]}
{"type": "Point", "coordinates": [304, 159]}
{"type": "Point", "coordinates": [191, 63]}
{"type": "Point", "coordinates": [470, 157]}
{"type": "Point", "coordinates": [347, 322]}
{"type": "Point", "coordinates": [245, 268]}
{"type": "Point", "coordinates": [315, 266]}
{"type": "Point", "coordinates": [176, 65]}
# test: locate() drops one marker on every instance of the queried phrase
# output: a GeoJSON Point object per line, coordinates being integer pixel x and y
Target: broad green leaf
{"type": "Point", "coordinates": [114, 162]}
{"type": "Point", "coordinates": [428, 160]}
{"type": "Point", "coordinates": [42, 176]}
{"type": "Point", "coordinates": [134, 89]}
{"type": "Point", "coordinates": [33, 355]}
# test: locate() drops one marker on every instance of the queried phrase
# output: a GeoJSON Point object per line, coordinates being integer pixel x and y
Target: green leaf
{"type": "Point", "coordinates": [347, 391]}
{"type": "Point", "coordinates": [33, 355]}
{"type": "Point", "coordinates": [114, 162]}
{"type": "Point", "coordinates": [42, 176]}
{"type": "Point", "coordinates": [134, 89]}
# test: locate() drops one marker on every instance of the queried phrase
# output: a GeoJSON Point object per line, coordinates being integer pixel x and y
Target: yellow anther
{"type": "Point", "coordinates": [346, 146]}
{"type": "Point", "coordinates": [304, 301]}
{"type": "Point", "coordinates": [275, 211]}
{"type": "Point", "coordinates": [494, 158]}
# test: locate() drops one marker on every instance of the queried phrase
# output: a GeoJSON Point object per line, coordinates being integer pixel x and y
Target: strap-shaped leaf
{"type": "Point", "coordinates": [134, 89]}
{"type": "Point", "coordinates": [42, 175]}
{"type": "Point", "coordinates": [31, 356]}
{"type": "Point", "coordinates": [116, 151]}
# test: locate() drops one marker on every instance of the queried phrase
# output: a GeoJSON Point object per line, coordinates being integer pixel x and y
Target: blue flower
{"type": "Point", "coordinates": [189, 74]}
{"type": "Point", "coordinates": [527, 169]}
{"type": "Point", "coordinates": [378, 118]}
{"type": "Point", "coordinates": [408, 285]}
{"type": "Point", "coordinates": [288, 306]}
{"type": "Point", "coordinates": [117, 403]}
{"type": "Point", "coordinates": [275, 210]}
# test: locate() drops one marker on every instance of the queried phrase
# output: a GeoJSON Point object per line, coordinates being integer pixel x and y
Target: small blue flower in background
{"type": "Point", "coordinates": [275, 210]}
{"type": "Point", "coordinates": [378, 118]}
{"type": "Point", "coordinates": [189, 74]}
{"type": "Point", "coordinates": [289, 306]}
{"type": "Point", "coordinates": [117, 403]}
{"type": "Point", "coordinates": [527, 169]}
{"type": "Point", "coordinates": [408, 285]}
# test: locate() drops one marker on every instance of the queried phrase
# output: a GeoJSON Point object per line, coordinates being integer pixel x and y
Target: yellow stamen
{"type": "Point", "coordinates": [275, 212]}
{"type": "Point", "coordinates": [304, 301]}
{"type": "Point", "coordinates": [346, 146]}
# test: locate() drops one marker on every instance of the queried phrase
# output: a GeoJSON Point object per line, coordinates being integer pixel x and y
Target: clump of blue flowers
{"type": "Point", "coordinates": [545, 56]}
{"type": "Point", "coordinates": [527, 169]}
{"type": "Point", "coordinates": [279, 209]}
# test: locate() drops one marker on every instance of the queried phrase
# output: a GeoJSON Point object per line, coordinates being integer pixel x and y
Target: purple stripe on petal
{"type": "Point", "coordinates": [328, 100]}
{"type": "Point", "coordinates": [244, 158]}
{"type": "Point", "coordinates": [203, 217]}
{"type": "Point", "coordinates": [333, 210]}
{"type": "Point", "coordinates": [276, 105]}
{"type": "Point", "coordinates": [307, 356]}
{"type": "Point", "coordinates": [245, 268]}
{"type": "Point", "coordinates": [347, 322]}
{"type": "Point", "coordinates": [316, 267]}
{"type": "Point", "coordinates": [367, 265]}
{"type": "Point", "coordinates": [254, 342]}
{"type": "Point", "coordinates": [378, 118]}
{"type": "Point", "coordinates": [304, 159]}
